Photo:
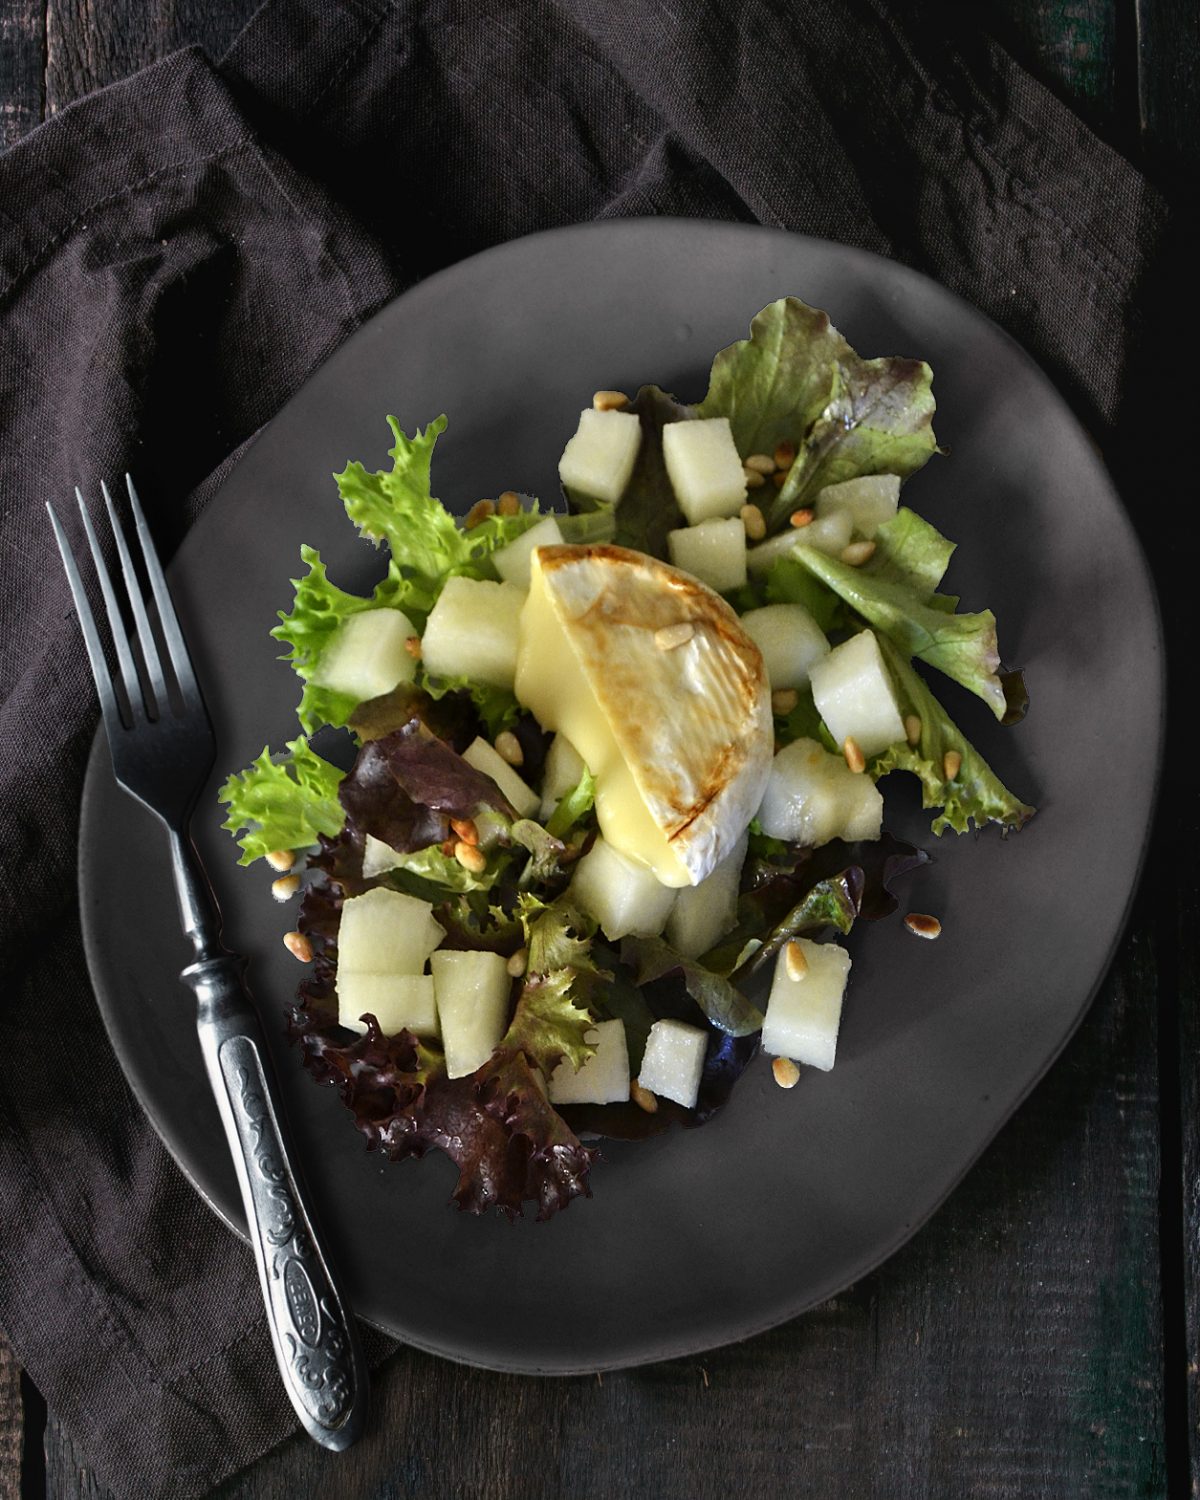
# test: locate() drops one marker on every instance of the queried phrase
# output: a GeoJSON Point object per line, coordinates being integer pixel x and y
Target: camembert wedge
{"type": "Point", "coordinates": [651, 677]}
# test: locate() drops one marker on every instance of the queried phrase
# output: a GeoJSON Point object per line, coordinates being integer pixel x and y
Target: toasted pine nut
{"type": "Point", "coordinates": [912, 729]}
{"type": "Point", "coordinates": [857, 553]}
{"type": "Point", "coordinates": [285, 887]}
{"type": "Point", "coordinates": [281, 859]}
{"type": "Point", "coordinates": [447, 847]}
{"type": "Point", "coordinates": [922, 926]}
{"type": "Point", "coordinates": [779, 478]}
{"type": "Point", "coordinates": [643, 1098]}
{"type": "Point", "coordinates": [412, 644]}
{"type": "Point", "coordinates": [668, 637]}
{"type": "Point", "coordinates": [754, 480]}
{"type": "Point", "coordinates": [508, 747]}
{"type": "Point", "coordinates": [951, 764]}
{"type": "Point", "coordinates": [466, 830]}
{"type": "Point", "coordinates": [298, 946]}
{"type": "Point", "coordinates": [787, 1074]}
{"type": "Point", "coordinates": [795, 961]}
{"type": "Point", "coordinates": [785, 455]}
{"type": "Point", "coordinates": [760, 463]}
{"type": "Point", "coordinates": [754, 522]}
{"type": "Point", "coordinates": [508, 504]}
{"type": "Point", "coordinates": [518, 963]}
{"type": "Point", "coordinates": [783, 700]}
{"type": "Point", "coordinates": [852, 750]}
{"type": "Point", "coordinates": [610, 400]}
{"type": "Point", "coordinates": [482, 510]}
{"type": "Point", "coordinates": [470, 857]}
{"type": "Point", "coordinates": [803, 517]}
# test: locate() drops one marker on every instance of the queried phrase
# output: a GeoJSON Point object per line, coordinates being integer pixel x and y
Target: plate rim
{"type": "Point", "coordinates": [98, 764]}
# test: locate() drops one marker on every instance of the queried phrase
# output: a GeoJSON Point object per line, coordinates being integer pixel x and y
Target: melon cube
{"type": "Point", "coordinates": [622, 896]}
{"type": "Point", "coordinates": [399, 1002]}
{"type": "Point", "coordinates": [828, 533]}
{"type": "Point", "coordinates": [473, 989]}
{"type": "Point", "coordinates": [563, 771]}
{"type": "Point", "coordinates": [378, 857]}
{"type": "Point", "coordinates": [386, 932]}
{"type": "Point", "coordinates": [366, 656]}
{"type": "Point", "coordinates": [790, 640]}
{"type": "Point", "coordinates": [513, 562]}
{"type": "Point", "coordinates": [472, 631]}
{"type": "Point", "coordinates": [714, 552]}
{"type": "Point", "coordinates": [803, 1014]}
{"type": "Point", "coordinates": [704, 913]}
{"type": "Point", "coordinates": [599, 459]}
{"type": "Point", "coordinates": [604, 1077]}
{"type": "Point", "coordinates": [673, 1062]}
{"type": "Point", "coordinates": [704, 468]}
{"type": "Point", "coordinates": [854, 695]}
{"type": "Point", "coordinates": [487, 758]}
{"type": "Point", "coordinates": [813, 796]}
{"type": "Point", "coordinates": [870, 500]}
{"type": "Point", "coordinates": [759, 559]}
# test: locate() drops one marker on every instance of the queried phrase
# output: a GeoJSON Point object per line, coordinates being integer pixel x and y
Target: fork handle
{"type": "Point", "coordinates": [313, 1331]}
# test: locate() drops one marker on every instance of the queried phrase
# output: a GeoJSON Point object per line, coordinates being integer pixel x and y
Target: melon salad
{"type": "Point", "coordinates": [586, 798]}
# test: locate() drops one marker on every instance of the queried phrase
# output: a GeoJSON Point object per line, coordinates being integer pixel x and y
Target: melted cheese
{"type": "Point", "coordinates": [678, 737]}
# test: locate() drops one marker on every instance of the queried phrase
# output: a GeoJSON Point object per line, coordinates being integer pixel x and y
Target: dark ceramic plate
{"type": "Point", "coordinates": [701, 1237]}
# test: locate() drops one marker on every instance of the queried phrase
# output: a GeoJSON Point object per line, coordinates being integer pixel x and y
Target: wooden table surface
{"type": "Point", "coordinates": [1039, 1336]}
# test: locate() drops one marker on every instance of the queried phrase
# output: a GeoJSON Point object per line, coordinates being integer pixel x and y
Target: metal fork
{"type": "Point", "coordinates": [163, 749]}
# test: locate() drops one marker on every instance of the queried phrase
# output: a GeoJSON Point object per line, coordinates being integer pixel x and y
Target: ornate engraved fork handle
{"type": "Point", "coordinates": [315, 1337]}
{"type": "Point", "coordinates": [163, 749]}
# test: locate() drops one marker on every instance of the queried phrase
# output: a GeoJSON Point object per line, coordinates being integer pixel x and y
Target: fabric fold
{"type": "Point", "coordinates": [166, 282]}
{"type": "Point", "coordinates": [180, 251]}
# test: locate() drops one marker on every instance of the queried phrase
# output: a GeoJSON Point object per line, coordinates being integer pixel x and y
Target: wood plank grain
{"type": "Point", "coordinates": [12, 1424]}
{"type": "Point", "coordinates": [22, 70]}
{"type": "Point", "coordinates": [89, 46]}
{"type": "Point", "coordinates": [1168, 53]}
{"type": "Point", "coordinates": [1186, 1349]}
{"type": "Point", "coordinates": [1082, 49]}
{"type": "Point", "coordinates": [1168, 49]}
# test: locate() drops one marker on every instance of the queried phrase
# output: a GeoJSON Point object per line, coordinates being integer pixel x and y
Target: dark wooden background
{"type": "Point", "coordinates": [1039, 1336]}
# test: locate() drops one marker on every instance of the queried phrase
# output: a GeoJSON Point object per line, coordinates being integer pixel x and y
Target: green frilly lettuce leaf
{"type": "Point", "coordinates": [797, 380]}
{"type": "Point", "coordinates": [555, 1009]}
{"type": "Point", "coordinates": [283, 802]}
{"type": "Point", "coordinates": [573, 806]}
{"type": "Point", "coordinates": [912, 553]}
{"type": "Point", "coordinates": [975, 795]}
{"type": "Point", "coordinates": [832, 902]}
{"type": "Point", "coordinates": [963, 646]}
{"type": "Point", "coordinates": [396, 506]}
{"type": "Point", "coordinates": [431, 875]}
{"type": "Point", "coordinates": [318, 608]}
{"type": "Point", "coordinates": [546, 852]}
{"type": "Point", "coordinates": [426, 547]}
{"type": "Point", "coordinates": [425, 542]}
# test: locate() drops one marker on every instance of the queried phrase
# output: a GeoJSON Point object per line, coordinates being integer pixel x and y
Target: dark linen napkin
{"type": "Point", "coordinates": [179, 252]}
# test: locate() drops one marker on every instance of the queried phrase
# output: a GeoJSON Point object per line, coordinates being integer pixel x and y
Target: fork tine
{"type": "Point", "coordinates": [138, 605]}
{"type": "Point", "coordinates": [91, 636]}
{"type": "Point", "coordinates": [115, 623]}
{"type": "Point", "coordinates": [181, 661]}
